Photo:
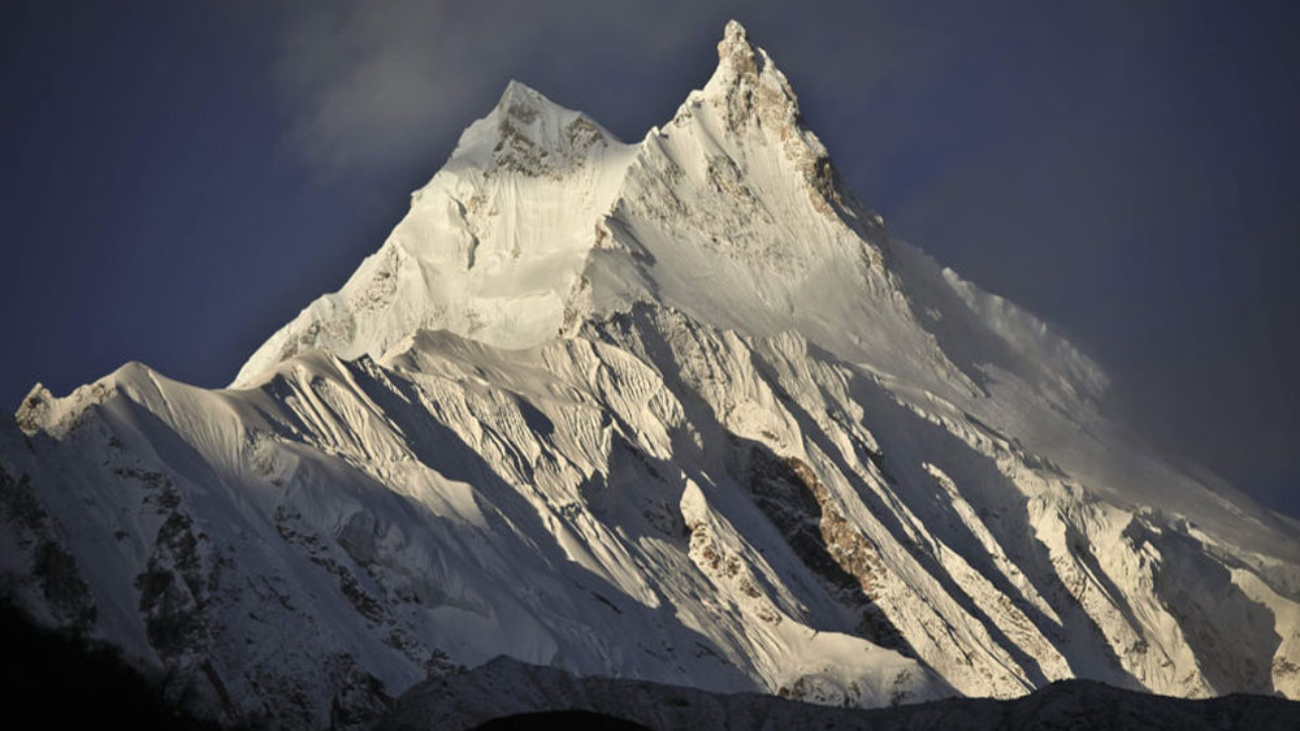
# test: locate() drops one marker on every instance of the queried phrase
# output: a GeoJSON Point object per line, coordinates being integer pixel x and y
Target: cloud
{"type": "Point", "coordinates": [369, 83]}
{"type": "Point", "coordinates": [377, 84]}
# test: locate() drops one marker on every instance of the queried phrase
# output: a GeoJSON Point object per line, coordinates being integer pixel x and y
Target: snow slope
{"type": "Point", "coordinates": [491, 246]}
{"type": "Point", "coordinates": [678, 411]}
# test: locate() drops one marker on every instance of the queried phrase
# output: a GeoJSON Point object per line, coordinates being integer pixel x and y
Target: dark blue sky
{"type": "Point", "coordinates": [180, 178]}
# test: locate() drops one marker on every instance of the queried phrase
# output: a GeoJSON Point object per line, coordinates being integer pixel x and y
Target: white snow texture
{"type": "Point", "coordinates": [676, 410]}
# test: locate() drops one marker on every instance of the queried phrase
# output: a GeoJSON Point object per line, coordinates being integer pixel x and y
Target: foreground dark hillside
{"type": "Point", "coordinates": [505, 694]}
{"type": "Point", "coordinates": [69, 683]}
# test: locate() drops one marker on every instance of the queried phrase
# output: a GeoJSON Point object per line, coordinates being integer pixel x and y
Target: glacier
{"type": "Point", "coordinates": [678, 411]}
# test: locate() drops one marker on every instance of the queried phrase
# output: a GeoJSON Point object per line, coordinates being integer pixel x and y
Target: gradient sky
{"type": "Point", "coordinates": [179, 179]}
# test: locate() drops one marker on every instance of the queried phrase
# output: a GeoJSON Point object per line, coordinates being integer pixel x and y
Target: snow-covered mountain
{"type": "Point", "coordinates": [678, 411]}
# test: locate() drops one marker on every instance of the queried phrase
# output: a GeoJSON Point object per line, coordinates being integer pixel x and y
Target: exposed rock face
{"type": "Point", "coordinates": [677, 411]}
{"type": "Point", "coordinates": [532, 141]}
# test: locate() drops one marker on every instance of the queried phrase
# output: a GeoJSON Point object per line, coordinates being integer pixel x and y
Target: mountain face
{"type": "Point", "coordinates": [677, 411]}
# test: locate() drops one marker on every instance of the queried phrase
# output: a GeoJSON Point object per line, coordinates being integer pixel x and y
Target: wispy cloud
{"type": "Point", "coordinates": [379, 83]}
{"type": "Point", "coordinates": [372, 82]}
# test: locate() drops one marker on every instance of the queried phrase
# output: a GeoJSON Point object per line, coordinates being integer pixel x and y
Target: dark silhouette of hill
{"type": "Point", "coordinates": [57, 680]}
{"type": "Point", "coordinates": [507, 694]}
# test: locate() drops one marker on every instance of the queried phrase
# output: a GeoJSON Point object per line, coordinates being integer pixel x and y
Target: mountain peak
{"type": "Point", "coordinates": [749, 98]}
{"type": "Point", "coordinates": [529, 133]}
{"type": "Point", "coordinates": [735, 52]}
{"type": "Point", "coordinates": [747, 87]}
{"type": "Point", "coordinates": [520, 96]}
{"type": "Point", "coordinates": [522, 106]}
